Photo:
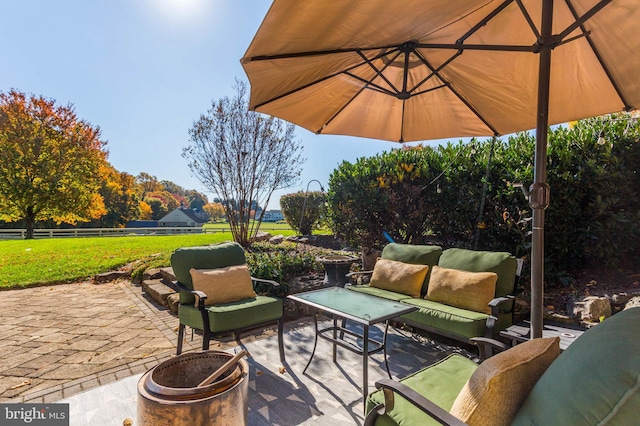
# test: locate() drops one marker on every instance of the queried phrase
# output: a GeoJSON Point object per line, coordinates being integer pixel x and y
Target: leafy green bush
{"type": "Point", "coordinates": [390, 192]}
{"type": "Point", "coordinates": [304, 211]}
{"type": "Point", "coordinates": [280, 263]}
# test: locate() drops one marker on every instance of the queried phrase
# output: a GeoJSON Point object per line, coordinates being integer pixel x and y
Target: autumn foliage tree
{"type": "Point", "coordinates": [215, 211]}
{"type": "Point", "coordinates": [120, 196]}
{"type": "Point", "coordinates": [50, 162]}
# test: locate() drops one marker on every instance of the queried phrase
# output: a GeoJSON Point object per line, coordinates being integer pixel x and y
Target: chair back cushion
{"type": "Point", "coordinates": [497, 389]}
{"type": "Point", "coordinates": [223, 285]}
{"type": "Point", "coordinates": [463, 289]}
{"type": "Point", "coordinates": [596, 380]}
{"type": "Point", "coordinates": [502, 263]}
{"type": "Point", "coordinates": [204, 257]}
{"type": "Point", "coordinates": [414, 254]}
{"type": "Point", "coordinates": [399, 277]}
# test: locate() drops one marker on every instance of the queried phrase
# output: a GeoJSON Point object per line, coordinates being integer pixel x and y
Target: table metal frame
{"type": "Point", "coordinates": [335, 333]}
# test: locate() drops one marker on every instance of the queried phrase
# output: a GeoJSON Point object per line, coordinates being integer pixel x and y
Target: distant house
{"type": "Point", "coordinates": [272, 216]}
{"type": "Point", "coordinates": [182, 217]}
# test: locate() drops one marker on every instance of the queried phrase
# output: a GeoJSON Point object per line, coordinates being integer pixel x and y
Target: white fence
{"type": "Point", "coordinates": [110, 232]}
{"type": "Point", "coordinates": [102, 232]}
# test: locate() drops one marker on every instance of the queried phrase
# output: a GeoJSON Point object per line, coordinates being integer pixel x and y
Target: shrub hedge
{"type": "Point", "coordinates": [417, 193]}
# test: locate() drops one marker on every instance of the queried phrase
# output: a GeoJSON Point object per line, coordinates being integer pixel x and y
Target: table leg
{"type": "Point", "coordinates": [384, 346]}
{"type": "Point", "coordinates": [335, 325]}
{"type": "Point", "coordinates": [315, 343]}
{"type": "Point", "coordinates": [365, 361]}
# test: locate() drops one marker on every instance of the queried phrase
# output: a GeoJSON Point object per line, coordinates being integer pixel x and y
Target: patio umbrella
{"type": "Point", "coordinates": [429, 69]}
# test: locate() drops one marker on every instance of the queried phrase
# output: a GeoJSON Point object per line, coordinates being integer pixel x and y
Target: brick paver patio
{"type": "Point", "coordinates": [56, 341]}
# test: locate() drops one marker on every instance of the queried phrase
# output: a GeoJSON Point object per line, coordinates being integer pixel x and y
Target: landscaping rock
{"type": "Point", "coordinates": [173, 300]}
{"type": "Point", "coordinates": [158, 291]}
{"type": "Point", "coordinates": [262, 236]}
{"type": "Point", "coordinates": [167, 275]}
{"type": "Point", "coordinates": [592, 308]}
{"type": "Point", "coordinates": [634, 302]}
{"type": "Point", "coordinates": [108, 276]}
{"type": "Point", "coordinates": [276, 240]}
{"type": "Point", "coordinates": [151, 274]}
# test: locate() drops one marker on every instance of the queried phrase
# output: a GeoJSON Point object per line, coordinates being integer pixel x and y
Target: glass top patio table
{"type": "Point", "coordinates": [359, 307]}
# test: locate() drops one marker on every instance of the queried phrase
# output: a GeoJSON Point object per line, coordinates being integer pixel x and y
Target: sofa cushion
{"type": "Point", "coordinates": [223, 285]}
{"type": "Point", "coordinates": [445, 319]}
{"type": "Point", "coordinates": [234, 315]}
{"type": "Point", "coordinates": [440, 382]}
{"type": "Point", "coordinates": [499, 386]}
{"type": "Point", "coordinates": [596, 380]}
{"type": "Point", "coordinates": [415, 254]}
{"type": "Point", "coordinates": [400, 277]}
{"type": "Point", "coordinates": [502, 263]}
{"type": "Point", "coordinates": [463, 289]}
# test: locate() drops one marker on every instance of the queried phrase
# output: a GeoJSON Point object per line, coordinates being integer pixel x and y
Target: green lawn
{"type": "Point", "coordinates": [29, 262]}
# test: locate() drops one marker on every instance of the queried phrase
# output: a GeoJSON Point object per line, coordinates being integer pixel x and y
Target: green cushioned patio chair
{"type": "Point", "coordinates": [219, 319]}
{"type": "Point", "coordinates": [595, 381]}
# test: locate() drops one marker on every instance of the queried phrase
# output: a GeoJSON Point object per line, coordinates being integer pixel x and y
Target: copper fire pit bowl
{"type": "Point", "coordinates": [169, 394]}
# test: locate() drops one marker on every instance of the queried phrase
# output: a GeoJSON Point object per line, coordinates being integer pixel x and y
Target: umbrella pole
{"type": "Point", "coordinates": [539, 192]}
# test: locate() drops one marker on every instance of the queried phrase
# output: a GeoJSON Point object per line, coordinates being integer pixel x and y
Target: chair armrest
{"type": "Point", "coordinates": [262, 280]}
{"type": "Point", "coordinates": [389, 387]}
{"type": "Point", "coordinates": [201, 294]}
{"type": "Point", "coordinates": [495, 303]}
{"type": "Point", "coordinates": [486, 346]}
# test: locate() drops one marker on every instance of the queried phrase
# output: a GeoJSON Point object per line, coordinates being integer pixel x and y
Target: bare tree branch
{"type": "Point", "coordinates": [243, 157]}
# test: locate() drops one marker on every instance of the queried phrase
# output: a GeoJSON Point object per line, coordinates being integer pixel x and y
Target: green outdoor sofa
{"type": "Point", "coordinates": [595, 381]}
{"type": "Point", "coordinates": [444, 319]}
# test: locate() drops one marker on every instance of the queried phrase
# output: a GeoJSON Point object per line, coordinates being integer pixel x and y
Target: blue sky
{"type": "Point", "coordinates": [144, 70]}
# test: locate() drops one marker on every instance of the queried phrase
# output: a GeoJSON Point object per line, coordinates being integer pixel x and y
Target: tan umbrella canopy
{"type": "Point", "coordinates": [408, 70]}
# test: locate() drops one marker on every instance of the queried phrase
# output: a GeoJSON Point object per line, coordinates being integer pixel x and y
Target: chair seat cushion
{"type": "Point", "coordinates": [439, 316]}
{"type": "Point", "coordinates": [234, 315]}
{"type": "Point", "coordinates": [440, 382]}
{"type": "Point", "coordinates": [596, 380]}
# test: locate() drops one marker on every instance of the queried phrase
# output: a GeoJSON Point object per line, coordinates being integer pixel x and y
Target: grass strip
{"type": "Point", "coordinates": [25, 263]}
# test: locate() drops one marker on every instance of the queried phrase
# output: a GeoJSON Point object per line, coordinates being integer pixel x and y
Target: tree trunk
{"type": "Point", "coordinates": [29, 221]}
{"type": "Point", "coordinates": [369, 257]}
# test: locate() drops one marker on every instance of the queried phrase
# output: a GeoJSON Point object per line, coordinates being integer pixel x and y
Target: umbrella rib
{"type": "Point", "coordinates": [342, 108]}
{"type": "Point", "coordinates": [483, 21]}
{"type": "Point", "coordinates": [527, 17]}
{"type": "Point", "coordinates": [446, 83]}
{"type": "Point", "coordinates": [304, 86]}
{"type": "Point", "coordinates": [316, 53]}
{"type": "Point", "coordinates": [582, 19]}
{"type": "Point", "coordinates": [434, 71]}
{"type": "Point", "coordinates": [371, 85]}
{"type": "Point", "coordinates": [431, 89]}
{"type": "Point", "coordinates": [487, 47]}
{"type": "Point", "coordinates": [377, 71]}
{"type": "Point", "coordinates": [464, 101]}
{"type": "Point", "coordinates": [596, 52]}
